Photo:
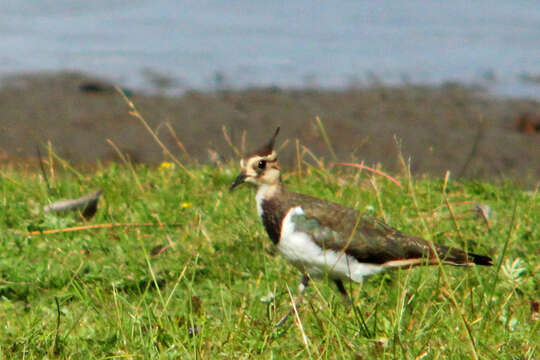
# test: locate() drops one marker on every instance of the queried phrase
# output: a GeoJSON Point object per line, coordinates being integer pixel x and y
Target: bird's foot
{"type": "Point", "coordinates": [284, 318]}
{"type": "Point", "coordinates": [297, 303]}
{"type": "Point", "coordinates": [301, 288]}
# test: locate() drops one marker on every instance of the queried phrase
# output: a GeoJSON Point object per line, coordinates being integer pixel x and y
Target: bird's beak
{"type": "Point", "coordinates": [239, 180]}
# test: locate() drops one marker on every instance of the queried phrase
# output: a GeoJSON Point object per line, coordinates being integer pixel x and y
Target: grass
{"type": "Point", "coordinates": [205, 281]}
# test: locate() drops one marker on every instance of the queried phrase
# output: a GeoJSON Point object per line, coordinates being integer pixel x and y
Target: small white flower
{"type": "Point", "coordinates": [512, 324]}
{"type": "Point", "coordinates": [268, 298]}
{"type": "Point", "coordinates": [512, 270]}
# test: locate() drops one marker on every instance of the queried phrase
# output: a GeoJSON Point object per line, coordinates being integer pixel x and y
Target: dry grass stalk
{"type": "Point", "coordinates": [229, 141]}
{"type": "Point", "coordinates": [178, 141]}
{"type": "Point", "coordinates": [127, 163]}
{"type": "Point", "coordinates": [135, 113]}
{"type": "Point", "coordinates": [325, 137]}
{"type": "Point", "coordinates": [100, 226]}
{"type": "Point", "coordinates": [375, 171]}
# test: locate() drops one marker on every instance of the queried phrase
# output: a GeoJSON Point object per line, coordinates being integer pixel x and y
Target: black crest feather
{"type": "Point", "coordinates": [268, 147]}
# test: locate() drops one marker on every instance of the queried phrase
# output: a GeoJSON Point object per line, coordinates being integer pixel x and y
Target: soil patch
{"type": "Point", "coordinates": [450, 127]}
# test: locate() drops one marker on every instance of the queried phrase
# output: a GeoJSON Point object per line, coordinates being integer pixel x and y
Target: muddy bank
{"type": "Point", "coordinates": [447, 127]}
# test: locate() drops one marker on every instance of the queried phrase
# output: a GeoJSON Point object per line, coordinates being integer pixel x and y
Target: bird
{"type": "Point", "coordinates": [326, 239]}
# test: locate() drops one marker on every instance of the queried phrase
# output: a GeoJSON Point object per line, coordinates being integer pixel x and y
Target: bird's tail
{"type": "Point", "coordinates": [455, 256]}
{"type": "Point", "coordinates": [481, 259]}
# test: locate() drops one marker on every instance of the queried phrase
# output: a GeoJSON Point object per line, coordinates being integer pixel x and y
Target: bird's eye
{"type": "Point", "coordinates": [262, 164]}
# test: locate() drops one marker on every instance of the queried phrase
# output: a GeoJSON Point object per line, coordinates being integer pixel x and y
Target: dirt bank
{"type": "Point", "coordinates": [440, 127]}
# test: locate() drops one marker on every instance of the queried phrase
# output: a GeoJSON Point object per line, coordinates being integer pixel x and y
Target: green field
{"type": "Point", "coordinates": [199, 278]}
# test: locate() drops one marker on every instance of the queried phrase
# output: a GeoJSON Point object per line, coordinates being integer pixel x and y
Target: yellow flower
{"type": "Point", "coordinates": [166, 165]}
{"type": "Point", "coordinates": [186, 205]}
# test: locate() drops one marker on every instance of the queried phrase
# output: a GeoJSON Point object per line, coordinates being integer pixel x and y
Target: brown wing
{"type": "Point", "coordinates": [369, 240]}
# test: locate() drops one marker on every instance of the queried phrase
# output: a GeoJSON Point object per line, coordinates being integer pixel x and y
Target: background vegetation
{"type": "Point", "coordinates": [188, 272]}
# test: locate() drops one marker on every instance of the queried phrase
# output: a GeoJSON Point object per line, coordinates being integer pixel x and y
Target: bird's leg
{"type": "Point", "coordinates": [343, 291]}
{"type": "Point", "coordinates": [303, 285]}
{"type": "Point", "coordinates": [348, 300]}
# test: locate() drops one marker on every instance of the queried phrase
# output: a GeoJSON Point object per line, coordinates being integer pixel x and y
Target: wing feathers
{"type": "Point", "coordinates": [369, 240]}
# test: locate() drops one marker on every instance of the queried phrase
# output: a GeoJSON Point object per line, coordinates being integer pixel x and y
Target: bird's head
{"type": "Point", "coordinates": [260, 167]}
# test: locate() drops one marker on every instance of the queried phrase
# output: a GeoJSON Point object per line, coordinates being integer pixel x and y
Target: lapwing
{"type": "Point", "coordinates": [325, 239]}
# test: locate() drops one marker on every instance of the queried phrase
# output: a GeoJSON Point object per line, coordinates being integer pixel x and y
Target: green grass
{"type": "Point", "coordinates": [107, 293]}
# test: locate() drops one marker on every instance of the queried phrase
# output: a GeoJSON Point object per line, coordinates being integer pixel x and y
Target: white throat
{"type": "Point", "coordinates": [264, 192]}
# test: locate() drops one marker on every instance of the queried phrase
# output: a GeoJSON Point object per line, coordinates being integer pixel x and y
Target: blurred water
{"type": "Point", "coordinates": [243, 43]}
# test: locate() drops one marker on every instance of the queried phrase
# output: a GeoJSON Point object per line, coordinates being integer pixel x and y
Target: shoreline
{"type": "Point", "coordinates": [448, 127]}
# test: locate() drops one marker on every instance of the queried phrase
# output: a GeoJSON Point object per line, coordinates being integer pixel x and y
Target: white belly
{"type": "Point", "coordinates": [308, 257]}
